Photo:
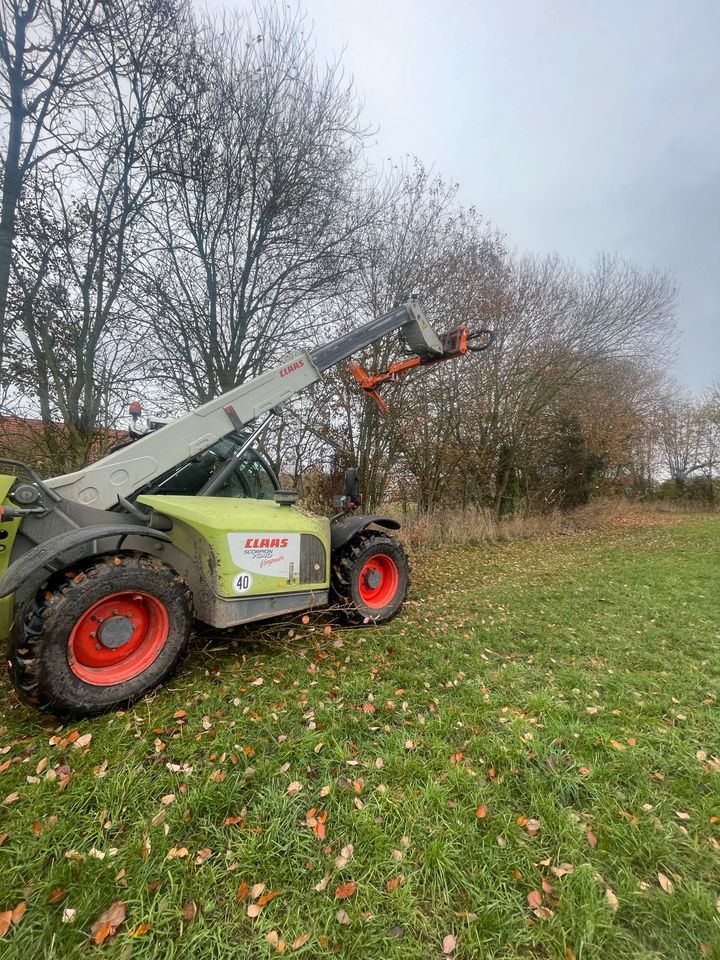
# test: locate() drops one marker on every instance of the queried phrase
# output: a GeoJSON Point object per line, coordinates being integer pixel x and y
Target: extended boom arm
{"type": "Point", "coordinates": [129, 469]}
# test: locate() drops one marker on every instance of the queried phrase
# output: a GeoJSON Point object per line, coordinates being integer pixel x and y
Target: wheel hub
{"type": "Point", "coordinates": [373, 578]}
{"type": "Point", "coordinates": [118, 637]}
{"type": "Point", "coordinates": [115, 632]}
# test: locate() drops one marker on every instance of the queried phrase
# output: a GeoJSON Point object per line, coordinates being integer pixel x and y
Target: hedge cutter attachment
{"type": "Point", "coordinates": [453, 343]}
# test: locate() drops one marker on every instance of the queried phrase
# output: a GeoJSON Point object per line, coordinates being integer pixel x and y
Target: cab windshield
{"type": "Point", "coordinates": [252, 478]}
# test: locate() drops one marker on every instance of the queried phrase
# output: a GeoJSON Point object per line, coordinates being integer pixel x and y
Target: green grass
{"type": "Point", "coordinates": [569, 681]}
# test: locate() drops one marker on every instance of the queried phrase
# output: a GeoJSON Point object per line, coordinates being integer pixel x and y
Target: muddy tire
{"type": "Point", "coordinates": [371, 578]}
{"type": "Point", "coordinates": [100, 637]}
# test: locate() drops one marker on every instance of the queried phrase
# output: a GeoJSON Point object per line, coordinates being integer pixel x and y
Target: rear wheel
{"type": "Point", "coordinates": [101, 638]}
{"type": "Point", "coordinates": [371, 577]}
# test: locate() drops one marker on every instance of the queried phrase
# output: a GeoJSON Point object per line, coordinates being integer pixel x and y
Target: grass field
{"type": "Point", "coordinates": [525, 764]}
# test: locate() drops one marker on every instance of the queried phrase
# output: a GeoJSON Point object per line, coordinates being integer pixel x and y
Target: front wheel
{"type": "Point", "coordinates": [100, 638]}
{"type": "Point", "coordinates": [371, 577]}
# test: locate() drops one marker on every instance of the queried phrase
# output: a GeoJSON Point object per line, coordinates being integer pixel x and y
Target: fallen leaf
{"type": "Point", "coordinates": [11, 798]}
{"type": "Point", "coordinates": [57, 895]}
{"type": "Point", "coordinates": [304, 937]}
{"type": "Point", "coordinates": [83, 741]}
{"type": "Point", "coordinates": [342, 916]}
{"type": "Point", "coordinates": [617, 745]}
{"type": "Point", "coordinates": [449, 943]}
{"type": "Point", "coordinates": [533, 827]}
{"type": "Point", "coordinates": [68, 915]}
{"type": "Point", "coordinates": [203, 856]}
{"type": "Point", "coordinates": [395, 883]}
{"type": "Point", "coordinates": [396, 933]}
{"type": "Point", "coordinates": [167, 799]}
{"type": "Point", "coordinates": [306, 621]}
{"type": "Point", "coordinates": [189, 911]}
{"type": "Point", "coordinates": [562, 870]}
{"type": "Point", "coordinates": [141, 929]}
{"type": "Point", "coordinates": [256, 890]}
{"type": "Point", "coordinates": [267, 897]}
{"type": "Point", "coordinates": [666, 883]}
{"type": "Point", "coordinates": [177, 853]}
{"type": "Point", "coordinates": [322, 885]}
{"type": "Point", "coordinates": [345, 890]}
{"type": "Point", "coordinates": [611, 899]}
{"type": "Point", "coordinates": [294, 788]}
{"type": "Point", "coordinates": [242, 891]}
{"type": "Point", "coordinates": [681, 815]}
{"type": "Point", "coordinates": [481, 812]}
{"type": "Point", "coordinates": [345, 855]}
{"type": "Point", "coordinates": [591, 838]}
{"type": "Point", "coordinates": [108, 922]}
{"type": "Point", "coordinates": [179, 715]}
{"type": "Point", "coordinates": [254, 910]}
{"type": "Point", "coordinates": [5, 922]}
{"type": "Point", "coordinates": [534, 899]}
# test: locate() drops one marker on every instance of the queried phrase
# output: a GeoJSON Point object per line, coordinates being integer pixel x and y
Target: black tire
{"type": "Point", "coordinates": [42, 666]}
{"type": "Point", "coordinates": [351, 565]}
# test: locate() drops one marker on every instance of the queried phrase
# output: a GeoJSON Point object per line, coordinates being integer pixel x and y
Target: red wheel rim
{"type": "Point", "coordinates": [118, 637]}
{"type": "Point", "coordinates": [379, 580]}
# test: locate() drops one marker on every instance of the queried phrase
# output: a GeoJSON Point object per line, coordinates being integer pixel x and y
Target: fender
{"type": "Point", "coordinates": [344, 530]}
{"type": "Point", "coordinates": [44, 554]}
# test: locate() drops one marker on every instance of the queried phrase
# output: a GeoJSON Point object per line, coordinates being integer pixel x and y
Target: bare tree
{"type": "Point", "coordinates": [262, 205]}
{"type": "Point", "coordinates": [44, 72]}
{"type": "Point", "coordinates": [74, 339]}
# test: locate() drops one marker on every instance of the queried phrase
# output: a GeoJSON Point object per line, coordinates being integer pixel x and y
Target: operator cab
{"type": "Point", "coordinates": [253, 477]}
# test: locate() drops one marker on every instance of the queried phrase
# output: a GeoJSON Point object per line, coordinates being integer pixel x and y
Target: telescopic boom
{"type": "Point", "coordinates": [124, 472]}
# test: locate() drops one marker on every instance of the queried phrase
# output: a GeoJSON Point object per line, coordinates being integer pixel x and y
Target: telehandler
{"type": "Point", "coordinates": [103, 571]}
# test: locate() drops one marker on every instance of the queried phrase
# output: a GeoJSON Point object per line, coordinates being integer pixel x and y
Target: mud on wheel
{"type": "Point", "coordinates": [101, 637]}
{"type": "Point", "coordinates": [371, 577]}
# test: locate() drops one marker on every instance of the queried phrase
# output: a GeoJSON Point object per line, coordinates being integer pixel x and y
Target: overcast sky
{"type": "Point", "coordinates": [573, 125]}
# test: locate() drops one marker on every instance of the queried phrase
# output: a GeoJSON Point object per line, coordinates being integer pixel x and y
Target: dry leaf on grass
{"type": "Point", "coordinates": [5, 922]}
{"type": "Point", "coordinates": [666, 883]}
{"type": "Point", "coordinates": [345, 890]}
{"type": "Point", "coordinates": [449, 943]}
{"type": "Point", "coordinates": [322, 885]}
{"type": "Point", "coordinates": [108, 922]}
{"type": "Point", "coordinates": [395, 883]}
{"type": "Point", "coordinates": [345, 855]}
{"type": "Point", "coordinates": [481, 812]}
{"type": "Point", "coordinates": [19, 911]}
{"type": "Point", "coordinates": [300, 941]}
{"type": "Point", "coordinates": [177, 853]}
{"type": "Point", "coordinates": [534, 899]}
{"type": "Point", "coordinates": [611, 899]}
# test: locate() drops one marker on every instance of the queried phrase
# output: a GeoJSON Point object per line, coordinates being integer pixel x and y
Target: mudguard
{"type": "Point", "coordinates": [344, 530]}
{"type": "Point", "coordinates": [35, 560]}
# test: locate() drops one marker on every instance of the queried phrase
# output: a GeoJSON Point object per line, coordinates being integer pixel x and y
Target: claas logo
{"type": "Point", "coordinates": [254, 543]}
